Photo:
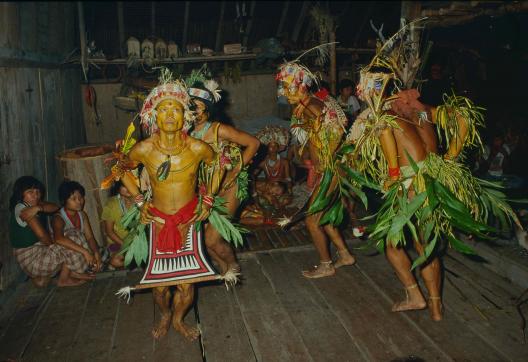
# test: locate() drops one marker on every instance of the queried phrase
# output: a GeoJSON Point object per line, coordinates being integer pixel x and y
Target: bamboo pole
{"type": "Point", "coordinates": [153, 18]}
{"type": "Point", "coordinates": [300, 21]}
{"type": "Point", "coordinates": [333, 62]}
{"type": "Point", "coordinates": [249, 23]}
{"type": "Point", "coordinates": [282, 18]}
{"type": "Point", "coordinates": [121, 29]}
{"type": "Point", "coordinates": [220, 28]}
{"type": "Point", "coordinates": [82, 36]}
{"type": "Point", "coordinates": [185, 25]}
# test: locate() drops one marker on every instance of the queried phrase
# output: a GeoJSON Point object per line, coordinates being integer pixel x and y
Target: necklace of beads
{"type": "Point", "coordinates": [274, 172]}
{"type": "Point", "coordinates": [201, 133]}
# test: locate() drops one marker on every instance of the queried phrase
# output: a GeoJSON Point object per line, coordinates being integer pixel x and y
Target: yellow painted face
{"type": "Point", "coordinates": [169, 115]}
{"type": "Point", "coordinates": [292, 92]}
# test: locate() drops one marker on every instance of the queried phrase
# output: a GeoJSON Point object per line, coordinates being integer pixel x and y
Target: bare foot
{"type": "Point", "coordinates": [435, 308]}
{"type": "Point", "coordinates": [324, 269]}
{"type": "Point", "coordinates": [414, 300]}
{"type": "Point", "coordinates": [40, 282]}
{"type": "Point", "coordinates": [70, 282]}
{"type": "Point", "coordinates": [83, 276]}
{"type": "Point", "coordinates": [344, 258]}
{"type": "Point", "coordinates": [163, 326]}
{"type": "Point", "coordinates": [190, 333]}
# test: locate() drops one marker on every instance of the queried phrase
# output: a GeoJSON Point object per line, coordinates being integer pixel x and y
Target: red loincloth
{"type": "Point", "coordinates": [169, 238]}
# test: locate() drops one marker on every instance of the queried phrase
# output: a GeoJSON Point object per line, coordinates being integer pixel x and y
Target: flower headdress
{"type": "Point", "coordinates": [168, 88]}
{"type": "Point", "coordinates": [279, 135]}
{"type": "Point", "coordinates": [298, 75]}
{"type": "Point", "coordinates": [201, 86]}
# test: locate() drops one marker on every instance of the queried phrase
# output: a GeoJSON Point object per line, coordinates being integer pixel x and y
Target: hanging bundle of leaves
{"type": "Point", "coordinates": [218, 216]}
{"type": "Point", "coordinates": [455, 108]}
{"type": "Point", "coordinates": [243, 184]}
{"type": "Point", "coordinates": [122, 149]}
{"type": "Point", "coordinates": [135, 244]}
{"type": "Point", "coordinates": [220, 220]}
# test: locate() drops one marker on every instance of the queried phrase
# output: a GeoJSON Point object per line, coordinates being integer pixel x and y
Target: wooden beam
{"type": "Point", "coordinates": [121, 29]}
{"type": "Point", "coordinates": [82, 35]}
{"type": "Point", "coordinates": [249, 23]}
{"type": "Point", "coordinates": [185, 26]}
{"type": "Point", "coordinates": [363, 23]}
{"type": "Point", "coordinates": [300, 21]}
{"type": "Point", "coordinates": [220, 28]}
{"type": "Point", "coordinates": [450, 16]}
{"type": "Point", "coordinates": [282, 18]}
{"type": "Point", "coordinates": [153, 18]}
{"type": "Point", "coordinates": [333, 62]}
{"type": "Point", "coordinates": [410, 10]}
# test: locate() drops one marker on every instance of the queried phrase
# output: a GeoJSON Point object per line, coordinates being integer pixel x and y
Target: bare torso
{"type": "Point", "coordinates": [180, 185]}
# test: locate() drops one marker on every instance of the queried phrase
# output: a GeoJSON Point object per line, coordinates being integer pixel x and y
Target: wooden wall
{"type": "Point", "coordinates": [40, 106]}
{"type": "Point", "coordinates": [254, 96]}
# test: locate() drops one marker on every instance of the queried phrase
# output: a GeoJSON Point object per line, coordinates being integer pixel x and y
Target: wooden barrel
{"type": "Point", "coordinates": [86, 166]}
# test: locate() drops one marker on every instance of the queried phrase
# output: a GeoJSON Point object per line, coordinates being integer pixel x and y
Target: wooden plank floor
{"type": "Point", "coordinates": [276, 315]}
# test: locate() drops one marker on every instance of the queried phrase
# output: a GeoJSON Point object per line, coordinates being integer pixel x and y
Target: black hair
{"type": "Point", "coordinates": [22, 184]}
{"type": "Point", "coordinates": [345, 83]}
{"type": "Point", "coordinates": [67, 188]}
{"type": "Point", "coordinates": [115, 188]}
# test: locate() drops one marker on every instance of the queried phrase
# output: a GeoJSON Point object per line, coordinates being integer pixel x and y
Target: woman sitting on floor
{"type": "Point", "coordinates": [71, 228]}
{"type": "Point", "coordinates": [38, 256]}
{"type": "Point", "coordinates": [113, 211]}
{"type": "Point", "coordinates": [270, 201]}
{"type": "Point", "coordinates": [276, 169]}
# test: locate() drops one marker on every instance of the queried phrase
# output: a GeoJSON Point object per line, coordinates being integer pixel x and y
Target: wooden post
{"type": "Point", "coordinates": [82, 35]}
{"type": "Point", "coordinates": [153, 18]}
{"type": "Point", "coordinates": [300, 21]}
{"type": "Point", "coordinates": [282, 18]}
{"type": "Point", "coordinates": [410, 10]}
{"type": "Point", "coordinates": [333, 62]}
{"type": "Point", "coordinates": [121, 29]}
{"type": "Point", "coordinates": [185, 25]}
{"type": "Point", "coordinates": [249, 23]}
{"type": "Point", "coordinates": [220, 28]}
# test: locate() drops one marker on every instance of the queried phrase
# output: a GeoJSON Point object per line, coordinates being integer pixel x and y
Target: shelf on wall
{"type": "Point", "coordinates": [212, 58]}
{"type": "Point", "coordinates": [182, 60]}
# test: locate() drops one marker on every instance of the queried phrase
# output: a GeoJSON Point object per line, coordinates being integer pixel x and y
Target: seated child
{"type": "Point", "coordinates": [113, 211]}
{"type": "Point", "coordinates": [71, 228]}
{"type": "Point", "coordinates": [270, 199]}
{"type": "Point", "coordinates": [38, 256]}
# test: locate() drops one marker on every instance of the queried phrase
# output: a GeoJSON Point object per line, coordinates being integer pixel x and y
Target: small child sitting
{"type": "Point", "coordinates": [270, 199]}
{"type": "Point", "coordinates": [72, 229]}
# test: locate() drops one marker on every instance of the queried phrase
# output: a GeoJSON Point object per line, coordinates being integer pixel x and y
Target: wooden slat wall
{"type": "Point", "coordinates": [40, 106]}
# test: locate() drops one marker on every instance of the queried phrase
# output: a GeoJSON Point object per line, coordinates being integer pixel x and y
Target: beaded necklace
{"type": "Point", "coordinates": [201, 133]}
